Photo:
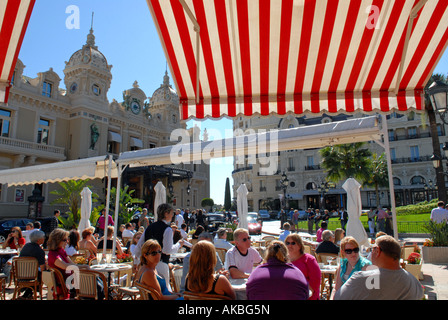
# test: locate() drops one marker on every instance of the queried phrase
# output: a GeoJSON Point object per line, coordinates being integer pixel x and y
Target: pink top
{"type": "Point", "coordinates": [53, 255]}
{"type": "Point", "coordinates": [319, 235]}
{"type": "Point", "coordinates": [310, 269]}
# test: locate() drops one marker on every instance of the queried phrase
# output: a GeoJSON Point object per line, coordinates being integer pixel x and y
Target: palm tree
{"type": "Point", "coordinates": [70, 194]}
{"type": "Point", "coordinates": [346, 161]}
{"type": "Point", "coordinates": [379, 177]}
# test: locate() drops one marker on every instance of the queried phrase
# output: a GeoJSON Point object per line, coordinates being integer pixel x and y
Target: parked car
{"type": "Point", "coordinates": [214, 221]}
{"type": "Point", "coordinates": [254, 225]}
{"type": "Point", "coordinates": [264, 214]}
{"type": "Point", "coordinates": [253, 215]}
{"type": "Point", "coordinates": [7, 224]}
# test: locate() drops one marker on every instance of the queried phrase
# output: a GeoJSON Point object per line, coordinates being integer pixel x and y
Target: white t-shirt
{"type": "Point", "coordinates": [179, 220]}
{"type": "Point", "coordinates": [69, 250]}
{"type": "Point", "coordinates": [439, 214]}
{"type": "Point", "coordinates": [244, 263]}
{"type": "Point", "coordinates": [127, 234]}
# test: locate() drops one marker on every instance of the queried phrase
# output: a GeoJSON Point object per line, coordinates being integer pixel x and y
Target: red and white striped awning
{"type": "Point", "coordinates": [280, 56]}
{"type": "Point", "coordinates": [14, 18]}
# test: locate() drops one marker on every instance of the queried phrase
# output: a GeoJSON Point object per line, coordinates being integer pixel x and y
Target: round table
{"type": "Point", "coordinates": [110, 268]}
{"type": "Point", "coordinates": [239, 286]}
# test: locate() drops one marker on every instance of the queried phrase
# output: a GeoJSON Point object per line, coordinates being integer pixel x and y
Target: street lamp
{"type": "Point", "coordinates": [438, 95]}
{"type": "Point", "coordinates": [437, 102]}
{"type": "Point", "coordinates": [284, 184]}
{"type": "Point", "coordinates": [323, 190]}
{"type": "Point", "coordinates": [429, 188]}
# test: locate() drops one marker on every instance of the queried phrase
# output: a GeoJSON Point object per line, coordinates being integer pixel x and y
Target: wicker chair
{"type": "Point", "coordinates": [88, 285]}
{"type": "Point", "coordinates": [26, 275]}
{"type": "Point", "coordinates": [2, 286]}
{"type": "Point", "coordinates": [188, 295]}
{"type": "Point", "coordinates": [147, 293]}
{"type": "Point", "coordinates": [222, 254]}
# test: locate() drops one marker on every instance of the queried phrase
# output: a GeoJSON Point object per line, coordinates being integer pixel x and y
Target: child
{"type": "Point", "coordinates": [323, 227]}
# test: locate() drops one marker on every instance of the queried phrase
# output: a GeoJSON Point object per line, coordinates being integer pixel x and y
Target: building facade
{"type": "Point", "coordinates": [43, 123]}
{"type": "Point", "coordinates": [410, 150]}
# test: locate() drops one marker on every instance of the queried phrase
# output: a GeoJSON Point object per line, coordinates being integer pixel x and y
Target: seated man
{"type": "Point", "coordinates": [34, 249]}
{"type": "Point", "coordinates": [221, 239]}
{"type": "Point", "coordinates": [241, 258]}
{"type": "Point", "coordinates": [327, 245]}
{"type": "Point", "coordinates": [285, 233]}
{"type": "Point", "coordinates": [386, 280]}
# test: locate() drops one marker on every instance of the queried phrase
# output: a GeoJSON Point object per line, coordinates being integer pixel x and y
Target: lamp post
{"type": "Point", "coordinates": [429, 188]}
{"type": "Point", "coordinates": [438, 103]}
{"type": "Point", "coordinates": [323, 190]}
{"type": "Point", "coordinates": [284, 184]}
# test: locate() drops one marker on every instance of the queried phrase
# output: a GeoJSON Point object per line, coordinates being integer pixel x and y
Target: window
{"type": "Point", "coordinates": [291, 164]}
{"type": "Point", "coordinates": [46, 89]}
{"type": "Point", "coordinates": [392, 154]}
{"type": "Point", "coordinates": [43, 131]}
{"type": "Point", "coordinates": [310, 161]}
{"type": "Point", "coordinates": [397, 182]}
{"type": "Point", "coordinates": [418, 180]}
{"type": "Point", "coordinates": [311, 186]}
{"type": "Point", "coordinates": [412, 133]}
{"type": "Point", "coordinates": [415, 154]}
{"type": "Point", "coordinates": [391, 135]}
{"type": "Point", "coordinates": [5, 121]}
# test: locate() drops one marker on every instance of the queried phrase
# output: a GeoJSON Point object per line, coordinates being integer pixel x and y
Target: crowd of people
{"type": "Point", "coordinates": [285, 271]}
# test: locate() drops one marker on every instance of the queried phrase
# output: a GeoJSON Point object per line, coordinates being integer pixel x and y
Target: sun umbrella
{"type": "Point", "coordinates": [160, 197]}
{"type": "Point", "coordinates": [354, 225]}
{"type": "Point", "coordinates": [241, 202]}
{"type": "Point", "coordinates": [86, 209]}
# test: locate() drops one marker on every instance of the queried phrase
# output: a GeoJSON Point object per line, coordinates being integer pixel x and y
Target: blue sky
{"type": "Point", "coordinates": [126, 35]}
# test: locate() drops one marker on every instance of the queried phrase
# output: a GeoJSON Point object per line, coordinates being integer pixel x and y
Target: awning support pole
{"type": "Point", "coordinates": [117, 208]}
{"type": "Point", "coordinates": [385, 145]}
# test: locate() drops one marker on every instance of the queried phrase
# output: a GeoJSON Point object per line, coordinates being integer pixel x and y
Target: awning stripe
{"type": "Point", "coordinates": [263, 57]}
{"type": "Point", "coordinates": [14, 18]}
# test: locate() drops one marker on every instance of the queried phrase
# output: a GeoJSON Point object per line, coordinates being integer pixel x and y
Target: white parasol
{"type": "Point", "coordinates": [241, 202]}
{"type": "Point", "coordinates": [86, 209]}
{"type": "Point", "coordinates": [354, 210]}
{"type": "Point", "coordinates": [159, 198]}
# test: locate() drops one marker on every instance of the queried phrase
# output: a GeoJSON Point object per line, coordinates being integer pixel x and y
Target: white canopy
{"type": "Point", "coordinates": [316, 136]}
{"type": "Point", "coordinates": [90, 168]}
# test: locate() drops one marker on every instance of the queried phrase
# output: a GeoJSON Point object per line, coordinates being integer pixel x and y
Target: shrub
{"type": "Point", "coordinates": [438, 232]}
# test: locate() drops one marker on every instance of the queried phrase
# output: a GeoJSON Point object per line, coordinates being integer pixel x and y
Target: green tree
{"type": "Point", "coordinates": [207, 202]}
{"type": "Point", "coordinates": [346, 161]}
{"type": "Point", "coordinates": [70, 194]}
{"type": "Point", "coordinates": [127, 203]}
{"type": "Point", "coordinates": [227, 199]}
{"type": "Point", "coordinates": [379, 177]}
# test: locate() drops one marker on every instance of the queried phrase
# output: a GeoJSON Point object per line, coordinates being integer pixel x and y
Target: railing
{"type": "Point", "coordinates": [14, 143]}
{"type": "Point", "coordinates": [415, 227]}
{"type": "Point", "coordinates": [314, 167]}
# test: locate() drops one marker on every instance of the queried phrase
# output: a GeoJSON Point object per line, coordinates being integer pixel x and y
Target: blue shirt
{"type": "Point", "coordinates": [362, 262]}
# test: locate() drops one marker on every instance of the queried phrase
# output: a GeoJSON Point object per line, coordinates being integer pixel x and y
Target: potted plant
{"type": "Point", "coordinates": [414, 265]}
{"type": "Point", "coordinates": [435, 249]}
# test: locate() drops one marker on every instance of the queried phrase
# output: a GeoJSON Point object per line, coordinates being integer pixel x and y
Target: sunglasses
{"type": "Point", "coordinates": [153, 253]}
{"type": "Point", "coordinates": [245, 239]}
{"type": "Point", "coordinates": [290, 243]}
{"type": "Point", "coordinates": [350, 251]}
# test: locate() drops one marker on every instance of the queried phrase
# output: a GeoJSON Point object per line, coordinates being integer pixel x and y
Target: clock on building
{"type": "Point", "coordinates": [135, 107]}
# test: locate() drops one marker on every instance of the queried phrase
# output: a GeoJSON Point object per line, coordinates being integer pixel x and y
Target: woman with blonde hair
{"type": "Point", "coordinates": [307, 263]}
{"type": "Point", "coordinates": [352, 262]}
{"type": "Point", "coordinates": [151, 252]}
{"type": "Point", "coordinates": [201, 277]}
{"type": "Point", "coordinates": [276, 278]}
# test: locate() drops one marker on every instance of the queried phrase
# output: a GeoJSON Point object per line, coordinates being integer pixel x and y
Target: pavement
{"type": "Point", "coordinates": [435, 276]}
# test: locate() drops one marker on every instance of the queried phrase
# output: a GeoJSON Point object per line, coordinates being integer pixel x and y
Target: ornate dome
{"type": "Point", "coordinates": [165, 94]}
{"type": "Point", "coordinates": [89, 55]}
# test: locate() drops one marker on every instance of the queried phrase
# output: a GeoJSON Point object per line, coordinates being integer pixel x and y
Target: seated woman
{"type": "Point", "coordinates": [352, 262]}
{"type": "Point", "coordinates": [14, 241]}
{"type": "Point", "coordinates": [87, 243]}
{"type": "Point", "coordinates": [201, 277]}
{"type": "Point", "coordinates": [276, 278]}
{"type": "Point", "coordinates": [109, 242]}
{"type": "Point", "coordinates": [305, 262]}
{"type": "Point", "coordinates": [73, 246]}
{"type": "Point", "coordinates": [147, 274]}
{"type": "Point", "coordinates": [57, 257]}
{"type": "Point", "coordinates": [134, 242]}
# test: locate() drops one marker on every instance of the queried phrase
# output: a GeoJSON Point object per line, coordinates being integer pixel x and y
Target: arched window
{"type": "Point", "coordinates": [311, 186]}
{"type": "Point", "coordinates": [418, 180]}
{"type": "Point", "coordinates": [397, 182]}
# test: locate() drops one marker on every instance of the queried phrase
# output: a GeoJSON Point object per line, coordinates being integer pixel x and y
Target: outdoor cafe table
{"type": "Point", "coordinates": [330, 271]}
{"type": "Point", "coordinates": [110, 268]}
{"type": "Point", "coordinates": [239, 286]}
{"type": "Point", "coordinates": [6, 252]}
